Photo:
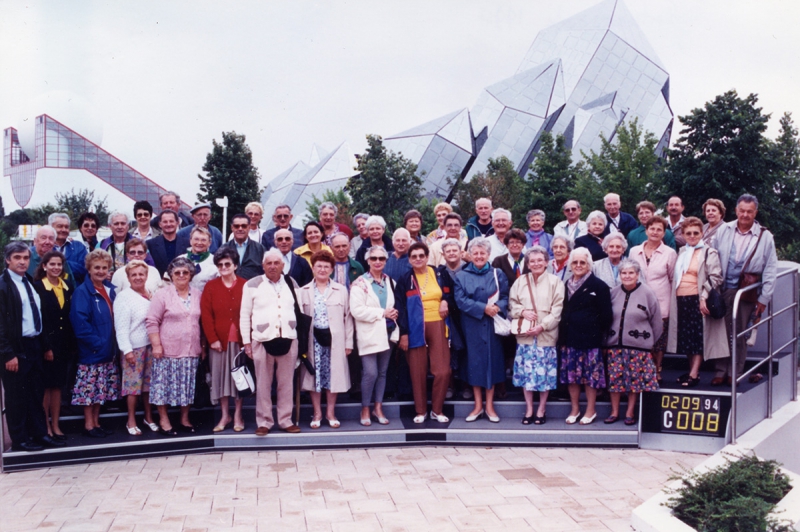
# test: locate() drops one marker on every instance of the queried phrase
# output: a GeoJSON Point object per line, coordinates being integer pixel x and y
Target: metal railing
{"type": "Point", "coordinates": [769, 318]}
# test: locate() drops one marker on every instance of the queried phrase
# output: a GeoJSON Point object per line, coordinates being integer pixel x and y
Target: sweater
{"type": "Point", "coordinates": [219, 309]}
{"type": "Point", "coordinates": [267, 310]}
{"type": "Point", "coordinates": [177, 326]}
{"type": "Point", "coordinates": [130, 313]}
{"type": "Point", "coordinates": [637, 318]}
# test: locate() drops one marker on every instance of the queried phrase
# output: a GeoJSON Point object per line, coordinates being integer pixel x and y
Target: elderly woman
{"type": "Point", "coordinates": [331, 340]}
{"type": "Point", "coordinates": [512, 264]}
{"type": "Point", "coordinates": [536, 235]}
{"type": "Point", "coordinates": [424, 298]}
{"type": "Point", "coordinates": [219, 314]}
{"type": "Point", "coordinates": [97, 380]}
{"type": "Point", "coordinates": [593, 239]}
{"type": "Point", "coordinates": [360, 223]}
{"type": "Point", "coordinates": [481, 294]}
{"type": "Point", "coordinates": [412, 221]}
{"type": "Point", "coordinates": [560, 247]}
{"type": "Point", "coordinates": [692, 330]}
{"type": "Point", "coordinates": [201, 258]}
{"type": "Point", "coordinates": [637, 323]}
{"type": "Point", "coordinates": [441, 210]}
{"type": "Point", "coordinates": [657, 261]}
{"type": "Point", "coordinates": [372, 304]}
{"type": "Point", "coordinates": [130, 311]}
{"type": "Point", "coordinates": [313, 234]}
{"type": "Point", "coordinates": [376, 230]}
{"type": "Point", "coordinates": [55, 293]}
{"type": "Point", "coordinates": [714, 212]}
{"type": "Point", "coordinates": [584, 322]}
{"type": "Point", "coordinates": [173, 325]}
{"type": "Point", "coordinates": [136, 249]}
{"type": "Point", "coordinates": [88, 224]}
{"type": "Point", "coordinates": [607, 269]}
{"type": "Point", "coordinates": [537, 298]}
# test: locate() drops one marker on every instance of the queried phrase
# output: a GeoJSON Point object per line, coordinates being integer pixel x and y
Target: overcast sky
{"type": "Point", "coordinates": [164, 78]}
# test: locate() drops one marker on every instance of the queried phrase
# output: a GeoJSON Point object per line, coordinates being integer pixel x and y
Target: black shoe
{"type": "Point", "coordinates": [96, 432]}
{"type": "Point", "coordinates": [187, 428]}
{"type": "Point", "coordinates": [27, 446]}
{"type": "Point", "coordinates": [50, 441]}
{"type": "Point", "coordinates": [107, 432]}
{"type": "Point", "coordinates": [170, 432]}
{"type": "Point", "coordinates": [60, 437]}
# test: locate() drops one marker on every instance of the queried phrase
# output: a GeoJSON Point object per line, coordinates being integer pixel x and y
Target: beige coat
{"type": "Point", "coordinates": [368, 316]}
{"type": "Point", "coordinates": [715, 337]}
{"type": "Point", "coordinates": [549, 295]}
{"type": "Point", "coordinates": [341, 325]}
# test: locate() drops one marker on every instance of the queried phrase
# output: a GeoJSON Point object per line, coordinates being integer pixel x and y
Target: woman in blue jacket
{"type": "Point", "coordinates": [92, 320]}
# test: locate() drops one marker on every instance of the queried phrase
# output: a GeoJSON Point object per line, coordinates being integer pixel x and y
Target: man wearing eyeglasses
{"type": "Point", "coordinates": [294, 265]}
{"type": "Point", "coordinates": [143, 212]}
{"type": "Point", "coordinates": [572, 227]}
{"type": "Point", "coordinates": [282, 218]}
{"type": "Point", "coordinates": [74, 251]}
{"type": "Point", "coordinates": [250, 252]}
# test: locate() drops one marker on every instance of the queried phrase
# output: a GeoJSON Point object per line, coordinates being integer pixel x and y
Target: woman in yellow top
{"type": "Point", "coordinates": [312, 241]}
{"type": "Point", "coordinates": [424, 296]}
{"type": "Point", "coordinates": [55, 293]}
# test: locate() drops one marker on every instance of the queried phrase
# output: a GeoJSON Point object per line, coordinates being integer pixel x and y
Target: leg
{"type": "Point", "coordinates": [694, 365]}
{"type": "Point", "coordinates": [265, 371]}
{"type": "Point", "coordinates": [88, 417]}
{"type": "Point", "coordinates": [369, 374]}
{"type": "Point", "coordinates": [723, 365]}
{"type": "Point", "coordinates": [316, 401]}
{"type": "Point", "coordinates": [478, 392]}
{"type": "Point", "coordinates": [574, 399]}
{"type": "Point", "coordinates": [745, 311]}
{"type": "Point", "coordinates": [383, 358]}
{"type": "Point", "coordinates": [591, 401]}
{"type": "Point", "coordinates": [615, 400]}
{"type": "Point", "coordinates": [131, 400]}
{"type": "Point", "coordinates": [185, 416]}
{"type": "Point", "coordinates": [490, 402]}
{"type": "Point", "coordinates": [163, 418]}
{"type": "Point", "coordinates": [542, 404]}
{"type": "Point", "coordinates": [528, 402]}
{"type": "Point", "coordinates": [418, 370]}
{"type": "Point", "coordinates": [226, 416]}
{"type": "Point", "coordinates": [284, 372]}
{"type": "Point", "coordinates": [631, 404]}
{"type": "Point", "coordinates": [55, 410]}
{"type": "Point", "coordinates": [148, 408]}
{"type": "Point", "coordinates": [46, 405]}
{"type": "Point", "coordinates": [439, 353]}
{"type": "Point", "coordinates": [330, 404]}
{"type": "Point", "coordinates": [238, 420]}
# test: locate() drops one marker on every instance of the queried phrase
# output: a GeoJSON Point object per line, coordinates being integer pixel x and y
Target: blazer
{"type": "Point", "coordinates": [590, 242]}
{"type": "Point", "coordinates": [627, 223]}
{"type": "Point", "coordinates": [55, 319]}
{"type": "Point", "coordinates": [11, 322]}
{"type": "Point", "coordinates": [587, 315]}
{"type": "Point", "coordinates": [299, 269]}
{"type": "Point", "coordinates": [502, 264]}
{"type": "Point", "coordinates": [268, 238]}
{"type": "Point", "coordinates": [250, 265]}
{"type": "Point", "coordinates": [158, 251]}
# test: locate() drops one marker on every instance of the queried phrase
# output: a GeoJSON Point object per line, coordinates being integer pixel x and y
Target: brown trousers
{"type": "Point", "coordinates": [438, 351]}
{"type": "Point", "coordinates": [282, 368]}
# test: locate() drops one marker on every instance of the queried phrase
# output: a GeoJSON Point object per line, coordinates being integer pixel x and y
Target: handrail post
{"type": "Point", "coordinates": [734, 342]}
{"type": "Point", "coordinates": [795, 330]}
{"type": "Point", "coordinates": [770, 354]}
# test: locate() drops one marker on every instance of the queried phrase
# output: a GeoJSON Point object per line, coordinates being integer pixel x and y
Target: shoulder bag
{"type": "Point", "coordinates": [524, 326]}
{"type": "Point", "coordinates": [747, 279]}
{"type": "Point", "coordinates": [715, 302]}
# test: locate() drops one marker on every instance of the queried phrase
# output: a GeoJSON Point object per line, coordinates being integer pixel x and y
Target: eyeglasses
{"type": "Point", "coordinates": [580, 263]}
{"type": "Point", "coordinates": [379, 259]}
{"type": "Point", "coordinates": [137, 252]}
{"type": "Point", "coordinates": [240, 226]}
{"type": "Point", "coordinates": [89, 226]}
{"type": "Point", "coordinates": [283, 239]}
{"type": "Point", "coordinates": [226, 264]}
{"type": "Point", "coordinates": [143, 214]}
{"type": "Point", "coordinates": [180, 273]}
{"type": "Point", "coordinates": [692, 233]}
{"type": "Point", "coordinates": [417, 257]}
{"type": "Point", "coordinates": [282, 216]}
{"type": "Point", "coordinates": [571, 209]}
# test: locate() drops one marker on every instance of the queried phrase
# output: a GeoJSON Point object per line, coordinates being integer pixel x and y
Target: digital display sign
{"type": "Point", "coordinates": [684, 413]}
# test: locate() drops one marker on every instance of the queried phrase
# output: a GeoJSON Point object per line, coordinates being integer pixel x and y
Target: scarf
{"type": "Point", "coordinates": [534, 236]}
{"type": "Point", "coordinates": [573, 284]}
{"type": "Point", "coordinates": [684, 259]}
{"type": "Point", "coordinates": [197, 258]}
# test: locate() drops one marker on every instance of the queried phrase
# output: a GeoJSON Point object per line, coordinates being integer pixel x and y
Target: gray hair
{"type": "Point", "coordinates": [334, 237]}
{"type": "Point", "coordinates": [44, 228]}
{"type": "Point", "coordinates": [375, 219]}
{"type": "Point", "coordinates": [282, 231]}
{"type": "Point", "coordinates": [629, 264]}
{"type": "Point", "coordinates": [451, 242]}
{"type": "Point", "coordinates": [537, 249]}
{"type": "Point", "coordinates": [360, 216]}
{"type": "Point", "coordinates": [15, 247]}
{"type": "Point", "coordinates": [270, 253]}
{"type": "Point", "coordinates": [180, 262]}
{"type": "Point", "coordinates": [328, 205]}
{"type": "Point", "coordinates": [596, 215]}
{"type": "Point", "coordinates": [535, 212]}
{"type": "Point", "coordinates": [400, 232]}
{"type": "Point", "coordinates": [578, 203]}
{"type": "Point", "coordinates": [116, 214]}
{"type": "Point", "coordinates": [574, 254]}
{"type": "Point", "coordinates": [564, 239]}
{"type": "Point", "coordinates": [168, 193]}
{"type": "Point", "coordinates": [480, 242]}
{"type": "Point", "coordinates": [611, 195]}
{"type": "Point", "coordinates": [282, 206]}
{"type": "Point", "coordinates": [55, 216]}
{"type": "Point", "coordinates": [615, 236]}
{"type": "Point", "coordinates": [501, 210]}
{"type": "Point", "coordinates": [747, 198]}
{"type": "Point", "coordinates": [376, 249]}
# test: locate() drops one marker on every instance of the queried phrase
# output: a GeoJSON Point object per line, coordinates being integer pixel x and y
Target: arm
{"type": "Point", "coordinates": [155, 316]}
{"type": "Point", "coordinates": [359, 308]}
{"type": "Point", "coordinates": [6, 350]}
{"type": "Point", "coordinates": [770, 271]}
{"type": "Point", "coordinates": [349, 326]}
{"type": "Point", "coordinates": [551, 321]}
{"type": "Point", "coordinates": [122, 325]}
{"type": "Point", "coordinates": [502, 302]}
{"type": "Point", "coordinates": [207, 317]}
{"type": "Point", "coordinates": [467, 305]}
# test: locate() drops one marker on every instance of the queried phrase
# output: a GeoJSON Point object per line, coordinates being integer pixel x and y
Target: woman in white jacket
{"type": "Point", "coordinates": [372, 307]}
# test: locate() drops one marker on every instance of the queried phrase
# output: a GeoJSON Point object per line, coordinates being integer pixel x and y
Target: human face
{"type": "Point", "coordinates": [414, 225]}
{"type": "Point", "coordinates": [376, 264]}
{"type": "Point", "coordinates": [614, 250]}
{"type": "Point", "coordinates": [629, 278]}
{"type": "Point", "coordinates": [535, 223]}
{"type": "Point", "coordinates": [313, 235]}
{"type": "Point", "coordinates": [202, 216]}
{"type": "Point", "coordinates": [241, 229]}
{"type": "Point", "coordinates": [440, 216]}
{"type": "Point", "coordinates": [746, 214]}
{"type": "Point", "coordinates": [537, 264]}
{"type": "Point", "coordinates": [675, 207]}
{"type": "Point", "coordinates": [54, 267]}
{"type": "Point", "coordinates": [327, 218]}
{"type": "Point", "coordinates": [515, 247]}
{"type": "Point", "coordinates": [693, 235]}
{"type": "Point", "coordinates": [119, 228]}
{"type": "Point", "coordinates": [322, 271]}
{"type": "Point", "coordinates": [143, 217]}
{"type": "Point", "coordinates": [226, 267]}
{"type": "Point", "coordinates": [136, 253]}
{"type": "Point", "coordinates": [479, 256]}
{"type": "Point", "coordinates": [560, 250]}
{"type": "Point", "coordinates": [88, 229]}
{"type": "Point", "coordinates": [199, 242]}
{"type": "Point", "coordinates": [612, 207]}
{"type": "Point", "coordinates": [168, 224]}
{"type": "Point", "coordinates": [655, 233]}
{"type": "Point", "coordinates": [501, 224]}
{"type": "Point", "coordinates": [644, 215]}
{"type": "Point", "coordinates": [483, 208]}
{"type": "Point", "coordinates": [596, 226]}
{"type": "Point", "coordinates": [137, 277]}
{"type": "Point", "coordinates": [452, 228]}
{"type": "Point", "coordinates": [418, 260]}
{"type": "Point", "coordinates": [452, 254]}
{"type": "Point", "coordinates": [579, 266]}
{"type": "Point", "coordinates": [572, 211]}
{"type": "Point", "coordinates": [375, 233]}
{"type": "Point", "coordinates": [361, 227]}
{"type": "Point", "coordinates": [44, 241]}
{"type": "Point", "coordinates": [282, 217]}
{"type": "Point", "coordinates": [169, 203]}
{"type": "Point", "coordinates": [254, 215]}
{"type": "Point", "coordinates": [98, 271]}
{"type": "Point", "coordinates": [181, 278]}
{"type": "Point", "coordinates": [62, 229]}
{"type": "Point", "coordinates": [713, 216]}
{"type": "Point", "coordinates": [273, 268]}
{"type": "Point", "coordinates": [401, 244]}
{"type": "Point", "coordinates": [341, 247]}
{"type": "Point", "coordinates": [19, 262]}
{"type": "Point", "coordinates": [283, 241]}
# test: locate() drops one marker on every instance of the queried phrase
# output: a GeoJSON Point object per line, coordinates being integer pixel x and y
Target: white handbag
{"type": "Point", "coordinates": [242, 378]}
{"type": "Point", "coordinates": [502, 327]}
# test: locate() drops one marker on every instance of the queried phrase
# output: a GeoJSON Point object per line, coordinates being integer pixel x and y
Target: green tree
{"type": "Point", "coordinates": [338, 198]}
{"type": "Point", "coordinates": [425, 207]}
{"type": "Point", "coordinates": [229, 172]}
{"type": "Point", "coordinates": [552, 178]}
{"type": "Point", "coordinates": [387, 183]}
{"type": "Point", "coordinates": [500, 183]}
{"type": "Point", "coordinates": [76, 203]}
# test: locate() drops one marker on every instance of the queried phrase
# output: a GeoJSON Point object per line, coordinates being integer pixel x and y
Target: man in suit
{"type": "Point", "coordinates": [164, 247]}
{"type": "Point", "coordinates": [23, 348]}
{"type": "Point", "coordinates": [293, 265]}
{"type": "Point", "coordinates": [250, 252]}
{"type": "Point", "coordinates": [282, 218]}
{"type": "Point", "coordinates": [616, 220]}
{"type": "Point", "coordinates": [201, 213]}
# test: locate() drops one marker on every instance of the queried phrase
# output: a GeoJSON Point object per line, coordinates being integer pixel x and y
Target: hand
{"type": "Point", "coordinates": [48, 355]}
{"type": "Point", "coordinates": [760, 307]}
{"type": "Point", "coordinates": [216, 346]}
{"type": "Point", "coordinates": [129, 357]}
{"type": "Point", "coordinates": [348, 351]}
{"type": "Point", "coordinates": [390, 313]}
{"type": "Point", "coordinates": [403, 343]}
{"type": "Point", "coordinates": [529, 315]}
{"type": "Point", "coordinates": [248, 350]}
{"type": "Point", "coordinates": [12, 365]}
{"type": "Point", "coordinates": [703, 308]}
{"type": "Point", "coordinates": [491, 310]}
{"type": "Point", "coordinates": [466, 257]}
{"type": "Point", "coordinates": [536, 331]}
{"type": "Point", "coordinates": [158, 351]}
{"type": "Point", "coordinates": [443, 309]}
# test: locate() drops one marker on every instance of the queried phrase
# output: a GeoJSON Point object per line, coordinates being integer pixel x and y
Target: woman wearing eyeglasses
{"type": "Point", "coordinates": [88, 223]}
{"type": "Point", "coordinates": [136, 249]}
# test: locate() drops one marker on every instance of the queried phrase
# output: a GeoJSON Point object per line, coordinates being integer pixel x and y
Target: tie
{"type": "Point", "coordinates": [516, 270]}
{"type": "Point", "coordinates": [37, 319]}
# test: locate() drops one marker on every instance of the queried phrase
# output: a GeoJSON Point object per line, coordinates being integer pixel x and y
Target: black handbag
{"type": "Point", "coordinates": [323, 336]}
{"type": "Point", "coordinates": [303, 321]}
{"type": "Point", "coordinates": [715, 302]}
{"type": "Point", "coordinates": [278, 347]}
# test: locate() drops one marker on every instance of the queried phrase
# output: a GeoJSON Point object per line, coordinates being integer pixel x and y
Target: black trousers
{"type": "Point", "coordinates": [24, 393]}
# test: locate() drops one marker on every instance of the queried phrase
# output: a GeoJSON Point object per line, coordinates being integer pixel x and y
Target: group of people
{"type": "Point", "coordinates": [592, 306]}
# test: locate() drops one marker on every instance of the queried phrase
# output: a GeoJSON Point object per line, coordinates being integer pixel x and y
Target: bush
{"type": "Point", "coordinates": [737, 496]}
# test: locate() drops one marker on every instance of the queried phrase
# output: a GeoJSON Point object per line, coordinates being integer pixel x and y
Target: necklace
{"type": "Point", "coordinates": [424, 288]}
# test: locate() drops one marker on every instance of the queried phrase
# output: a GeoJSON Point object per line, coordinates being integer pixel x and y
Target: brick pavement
{"type": "Point", "coordinates": [392, 489]}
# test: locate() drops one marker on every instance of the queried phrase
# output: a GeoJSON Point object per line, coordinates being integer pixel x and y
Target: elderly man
{"type": "Point", "coordinates": [201, 214]}
{"type": "Point", "coordinates": [572, 227]}
{"type": "Point", "coordinates": [294, 265]}
{"type": "Point", "coordinates": [115, 244]}
{"type": "Point", "coordinates": [142, 213]}
{"type": "Point", "coordinates": [616, 220]}
{"type": "Point", "coordinates": [453, 231]}
{"type": "Point", "coordinates": [360, 223]}
{"type": "Point", "coordinates": [346, 269]}
{"type": "Point", "coordinates": [282, 218]}
{"type": "Point", "coordinates": [501, 222]}
{"type": "Point", "coordinates": [171, 201]}
{"type": "Point", "coordinates": [73, 250]}
{"type": "Point", "coordinates": [23, 349]}
{"type": "Point", "coordinates": [44, 240]}
{"type": "Point", "coordinates": [164, 247]}
{"type": "Point", "coordinates": [327, 218]}
{"type": "Point", "coordinates": [481, 223]}
{"type": "Point", "coordinates": [675, 219]}
{"type": "Point", "coordinates": [267, 322]}
{"type": "Point", "coordinates": [644, 211]}
{"type": "Point", "coordinates": [250, 252]}
{"type": "Point", "coordinates": [744, 247]}
{"type": "Point", "coordinates": [398, 264]}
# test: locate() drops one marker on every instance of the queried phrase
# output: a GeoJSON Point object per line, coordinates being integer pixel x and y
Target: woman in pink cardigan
{"type": "Point", "coordinates": [173, 325]}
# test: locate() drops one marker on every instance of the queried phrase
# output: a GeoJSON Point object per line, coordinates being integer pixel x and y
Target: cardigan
{"type": "Point", "coordinates": [549, 295]}
{"type": "Point", "coordinates": [153, 282]}
{"type": "Point", "coordinates": [219, 309]}
{"type": "Point", "coordinates": [130, 312]}
{"type": "Point", "coordinates": [587, 315]}
{"type": "Point", "coordinates": [177, 326]}
{"type": "Point", "coordinates": [267, 313]}
{"type": "Point", "coordinates": [637, 318]}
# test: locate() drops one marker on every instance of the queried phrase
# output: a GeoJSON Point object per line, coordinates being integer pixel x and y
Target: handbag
{"type": "Point", "coordinates": [303, 321]}
{"type": "Point", "coordinates": [242, 378]}
{"type": "Point", "coordinates": [502, 327]}
{"type": "Point", "coordinates": [748, 279]}
{"type": "Point", "coordinates": [524, 326]}
{"type": "Point", "coordinates": [323, 336]}
{"type": "Point", "coordinates": [715, 303]}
